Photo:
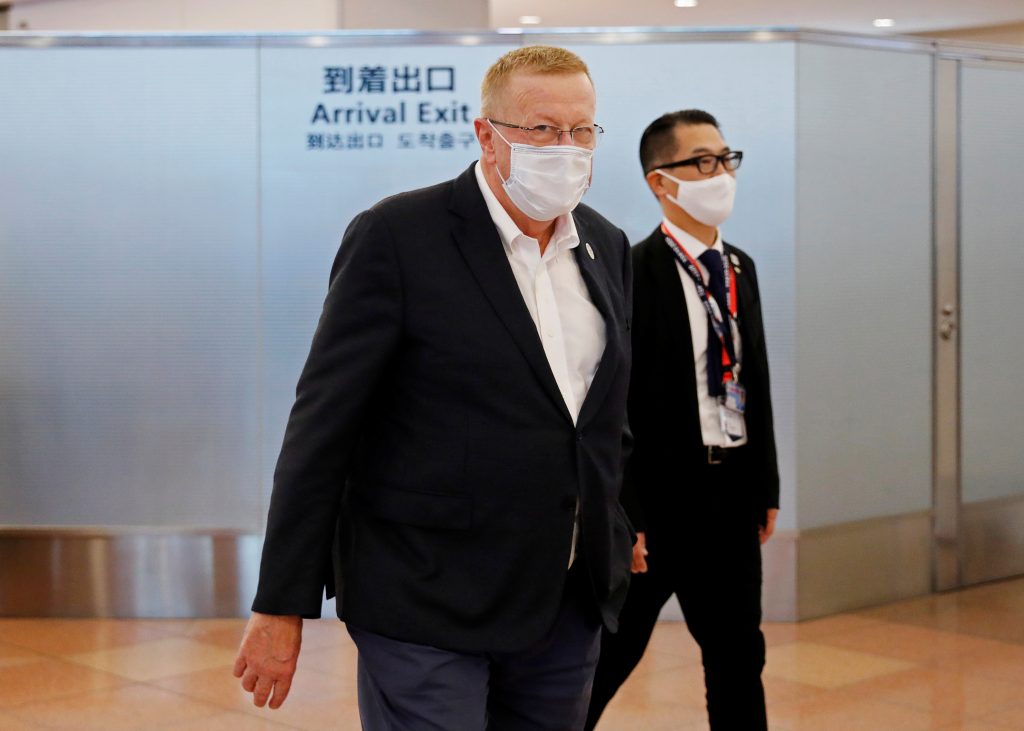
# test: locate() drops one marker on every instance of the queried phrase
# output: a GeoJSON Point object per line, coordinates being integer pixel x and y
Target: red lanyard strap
{"type": "Point", "coordinates": [715, 315]}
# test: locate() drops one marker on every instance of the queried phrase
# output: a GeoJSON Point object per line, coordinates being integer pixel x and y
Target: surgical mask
{"type": "Point", "coordinates": [546, 182]}
{"type": "Point", "coordinates": [708, 200]}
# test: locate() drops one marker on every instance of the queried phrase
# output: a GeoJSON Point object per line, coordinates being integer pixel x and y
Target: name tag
{"type": "Point", "coordinates": [730, 412]}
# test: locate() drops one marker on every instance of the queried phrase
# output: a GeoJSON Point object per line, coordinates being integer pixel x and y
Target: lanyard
{"type": "Point", "coordinates": [713, 310]}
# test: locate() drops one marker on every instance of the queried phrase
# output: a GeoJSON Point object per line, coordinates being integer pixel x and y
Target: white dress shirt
{"type": "Point", "coordinates": [571, 328]}
{"type": "Point", "coordinates": [707, 405]}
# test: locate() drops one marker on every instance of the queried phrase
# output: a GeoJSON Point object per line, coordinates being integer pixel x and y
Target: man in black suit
{"type": "Point", "coordinates": [703, 484]}
{"type": "Point", "coordinates": [457, 440]}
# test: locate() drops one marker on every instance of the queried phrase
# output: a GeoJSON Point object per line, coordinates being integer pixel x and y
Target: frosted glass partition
{"type": "Point", "coordinates": [992, 268]}
{"type": "Point", "coordinates": [129, 287]}
{"type": "Point", "coordinates": [863, 305]}
{"type": "Point", "coordinates": [164, 261]}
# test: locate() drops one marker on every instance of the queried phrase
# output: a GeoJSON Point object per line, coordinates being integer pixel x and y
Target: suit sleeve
{"type": "Point", "coordinates": [769, 469]}
{"type": "Point", "coordinates": [357, 335]}
{"type": "Point", "coordinates": [628, 496]}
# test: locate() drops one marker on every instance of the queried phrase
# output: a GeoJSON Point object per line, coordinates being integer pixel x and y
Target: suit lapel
{"type": "Point", "coordinates": [674, 320]}
{"type": "Point", "coordinates": [480, 246]}
{"type": "Point", "coordinates": [595, 277]}
{"type": "Point", "coordinates": [744, 298]}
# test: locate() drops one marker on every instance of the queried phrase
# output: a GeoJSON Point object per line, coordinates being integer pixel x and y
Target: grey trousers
{"type": "Point", "coordinates": [409, 687]}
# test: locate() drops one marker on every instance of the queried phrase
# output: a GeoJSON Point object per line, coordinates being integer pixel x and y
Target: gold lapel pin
{"type": "Point", "coordinates": [735, 262]}
{"type": "Point", "coordinates": [590, 251]}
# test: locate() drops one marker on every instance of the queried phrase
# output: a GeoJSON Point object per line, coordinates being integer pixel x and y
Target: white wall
{"type": "Point", "coordinates": [247, 15]}
{"type": "Point", "coordinates": [175, 15]}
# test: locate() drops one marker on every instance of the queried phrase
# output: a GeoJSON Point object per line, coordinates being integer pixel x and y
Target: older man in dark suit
{"type": "Point", "coordinates": [704, 484]}
{"type": "Point", "coordinates": [458, 435]}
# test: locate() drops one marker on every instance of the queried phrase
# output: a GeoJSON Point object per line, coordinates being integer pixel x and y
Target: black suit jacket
{"type": "Point", "coordinates": [429, 442]}
{"type": "Point", "coordinates": [663, 413]}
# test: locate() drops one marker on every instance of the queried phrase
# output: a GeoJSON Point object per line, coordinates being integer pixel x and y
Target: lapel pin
{"type": "Point", "coordinates": [590, 251]}
{"type": "Point", "coordinates": [735, 262]}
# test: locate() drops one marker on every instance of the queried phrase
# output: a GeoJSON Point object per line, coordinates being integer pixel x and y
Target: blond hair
{"type": "Point", "coordinates": [530, 59]}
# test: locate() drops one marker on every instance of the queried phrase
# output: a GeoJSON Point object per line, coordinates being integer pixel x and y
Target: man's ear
{"type": "Point", "coordinates": [485, 135]}
{"type": "Point", "coordinates": [656, 182]}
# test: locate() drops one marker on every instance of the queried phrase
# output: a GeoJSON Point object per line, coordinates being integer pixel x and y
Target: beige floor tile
{"type": "Point", "coordinates": [944, 694]}
{"type": "Point", "coordinates": [654, 662]}
{"type": "Point", "coordinates": [315, 698]}
{"type": "Point", "coordinates": [673, 638]}
{"type": "Point", "coordinates": [834, 712]}
{"type": "Point", "coordinates": [338, 660]}
{"type": "Point", "coordinates": [49, 678]}
{"type": "Point", "coordinates": [158, 658]}
{"type": "Point", "coordinates": [324, 633]}
{"type": "Point", "coordinates": [71, 636]}
{"type": "Point", "coordinates": [780, 633]}
{"type": "Point", "coordinates": [1010, 717]}
{"type": "Point", "coordinates": [920, 645]}
{"type": "Point", "coordinates": [1004, 661]}
{"type": "Point", "coordinates": [226, 633]}
{"type": "Point", "coordinates": [316, 633]}
{"type": "Point", "coordinates": [823, 666]}
{"type": "Point", "coordinates": [683, 686]}
{"type": "Point", "coordinates": [944, 662]}
{"type": "Point", "coordinates": [778, 691]}
{"type": "Point", "coordinates": [228, 722]}
{"type": "Point", "coordinates": [621, 716]}
{"type": "Point", "coordinates": [13, 723]}
{"type": "Point", "coordinates": [975, 726]}
{"type": "Point", "coordinates": [127, 708]}
{"type": "Point", "coordinates": [15, 655]}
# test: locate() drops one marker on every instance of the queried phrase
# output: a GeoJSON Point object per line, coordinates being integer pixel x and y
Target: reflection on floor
{"type": "Point", "coordinates": [952, 661]}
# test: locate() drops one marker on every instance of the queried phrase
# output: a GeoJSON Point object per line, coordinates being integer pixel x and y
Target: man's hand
{"type": "Point", "coordinates": [765, 531]}
{"type": "Point", "coordinates": [640, 554]}
{"type": "Point", "coordinates": [267, 657]}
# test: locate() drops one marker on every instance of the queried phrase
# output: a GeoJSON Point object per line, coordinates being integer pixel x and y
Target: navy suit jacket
{"type": "Point", "coordinates": [430, 456]}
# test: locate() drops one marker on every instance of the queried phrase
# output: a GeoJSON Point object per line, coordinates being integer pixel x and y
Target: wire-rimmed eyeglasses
{"type": "Point", "coordinates": [546, 134]}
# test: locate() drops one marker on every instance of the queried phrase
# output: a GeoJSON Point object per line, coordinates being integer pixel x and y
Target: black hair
{"type": "Point", "coordinates": [658, 140]}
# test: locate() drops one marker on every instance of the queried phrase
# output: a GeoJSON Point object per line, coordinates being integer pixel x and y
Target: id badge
{"type": "Point", "coordinates": [733, 423]}
{"type": "Point", "coordinates": [735, 397]}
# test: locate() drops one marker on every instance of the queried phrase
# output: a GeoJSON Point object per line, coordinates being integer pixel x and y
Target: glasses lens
{"type": "Point", "coordinates": [733, 160]}
{"type": "Point", "coordinates": [707, 164]}
{"type": "Point", "coordinates": [584, 136]}
{"type": "Point", "coordinates": [542, 134]}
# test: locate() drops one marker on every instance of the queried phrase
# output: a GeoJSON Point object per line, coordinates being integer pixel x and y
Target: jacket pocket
{"type": "Point", "coordinates": [422, 509]}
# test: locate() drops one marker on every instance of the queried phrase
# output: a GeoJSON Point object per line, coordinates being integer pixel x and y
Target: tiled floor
{"type": "Point", "coordinates": [952, 661]}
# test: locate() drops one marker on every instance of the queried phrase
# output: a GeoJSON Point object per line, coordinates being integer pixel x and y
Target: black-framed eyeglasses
{"type": "Point", "coordinates": [546, 134]}
{"type": "Point", "coordinates": [708, 164]}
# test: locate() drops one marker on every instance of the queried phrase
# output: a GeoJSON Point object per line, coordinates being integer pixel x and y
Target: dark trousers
{"type": "Point", "coordinates": [707, 553]}
{"type": "Point", "coordinates": [403, 686]}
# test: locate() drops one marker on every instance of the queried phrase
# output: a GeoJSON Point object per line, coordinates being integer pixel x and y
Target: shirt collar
{"type": "Point", "coordinates": [564, 236]}
{"type": "Point", "coordinates": [694, 246]}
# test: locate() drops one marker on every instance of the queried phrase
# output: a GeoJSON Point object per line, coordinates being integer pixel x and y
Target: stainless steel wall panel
{"type": "Point", "coordinates": [117, 573]}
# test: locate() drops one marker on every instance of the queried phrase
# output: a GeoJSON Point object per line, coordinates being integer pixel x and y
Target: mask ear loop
{"type": "Point", "coordinates": [504, 181]}
{"type": "Point", "coordinates": [670, 177]}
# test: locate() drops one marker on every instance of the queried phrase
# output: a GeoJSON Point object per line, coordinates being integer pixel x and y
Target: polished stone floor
{"type": "Point", "coordinates": [950, 661]}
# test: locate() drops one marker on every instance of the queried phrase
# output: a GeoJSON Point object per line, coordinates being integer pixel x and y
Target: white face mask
{"type": "Point", "coordinates": [546, 182]}
{"type": "Point", "coordinates": [709, 200]}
